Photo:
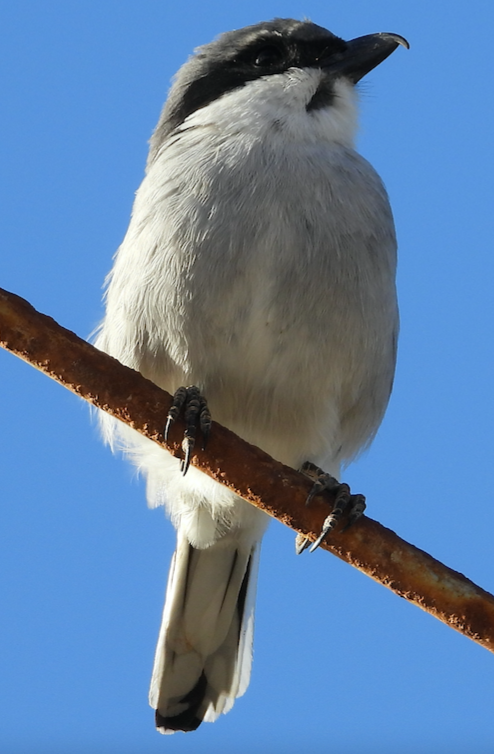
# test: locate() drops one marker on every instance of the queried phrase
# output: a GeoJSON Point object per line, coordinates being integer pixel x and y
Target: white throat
{"type": "Point", "coordinates": [278, 103]}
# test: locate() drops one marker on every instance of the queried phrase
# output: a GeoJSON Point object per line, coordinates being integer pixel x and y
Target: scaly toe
{"type": "Point", "coordinates": [196, 412]}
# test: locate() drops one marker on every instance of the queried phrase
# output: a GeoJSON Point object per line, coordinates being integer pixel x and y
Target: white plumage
{"type": "Point", "coordinates": [259, 264]}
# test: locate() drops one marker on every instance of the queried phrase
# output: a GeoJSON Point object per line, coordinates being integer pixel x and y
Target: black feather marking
{"type": "Point", "coordinates": [234, 561]}
{"type": "Point", "coordinates": [232, 60]}
{"type": "Point", "coordinates": [242, 595]}
{"type": "Point", "coordinates": [324, 95]}
{"type": "Point", "coordinates": [187, 720]}
{"type": "Point", "coordinates": [189, 565]}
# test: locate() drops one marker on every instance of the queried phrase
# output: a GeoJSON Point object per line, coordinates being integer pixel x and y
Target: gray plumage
{"type": "Point", "coordinates": [259, 264]}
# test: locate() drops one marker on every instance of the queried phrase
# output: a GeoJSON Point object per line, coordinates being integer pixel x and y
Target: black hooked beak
{"type": "Point", "coordinates": [362, 55]}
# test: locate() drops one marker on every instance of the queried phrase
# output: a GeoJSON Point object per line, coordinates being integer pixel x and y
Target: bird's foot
{"type": "Point", "coordinates": [196, 413]}
{"type": "Point", "coordinates": [345, 504]}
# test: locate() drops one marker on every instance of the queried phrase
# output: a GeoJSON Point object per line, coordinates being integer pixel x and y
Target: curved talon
{"type": "Point", "coordinates": [301, 544]}
{"type": "Point", "coordinates": [345, 503]}
{"type": "Point", "coordinates": [316, 489]}
{"type": "Point", "coordinates": [322, 536]}
{"type": "Point", "coordinates": [196, 411]}
{"type": "Point", "coordinates": [187, 446]}
{"type": "Point", "coordinates": [325, 482]}
{"type": "Point", "coordinates": [340, 505]}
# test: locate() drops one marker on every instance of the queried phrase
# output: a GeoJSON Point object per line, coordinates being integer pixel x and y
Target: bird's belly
{"type": "Point", "coordinates": [280, 379]}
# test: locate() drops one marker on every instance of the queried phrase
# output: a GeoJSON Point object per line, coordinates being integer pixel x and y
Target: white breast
{"type": "Point", "coordinates": [259, 264]}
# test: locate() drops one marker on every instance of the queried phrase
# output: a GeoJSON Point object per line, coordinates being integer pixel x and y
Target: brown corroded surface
{"type": "Point", "coordinates": [277, 489]}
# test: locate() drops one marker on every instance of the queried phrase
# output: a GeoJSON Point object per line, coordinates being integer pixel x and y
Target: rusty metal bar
{"type": "Point", "coordinates": [247, 470]}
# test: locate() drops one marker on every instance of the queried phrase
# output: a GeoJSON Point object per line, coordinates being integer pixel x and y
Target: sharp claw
{"type": "Point", "coordinates": [169, 423]}
{"type": "Point", "coordinates": [328, 524]}
{"type": "Point", "coordinates": [301, 544]}
{"type": "Point", "coordinates": [187, 447]}
{"type": "Point", "coordinates": [196, 412]}
{"type": "Point", "coordinates": [310, 497]}
{"type": "Point", "coordinates": [318, 542]}
{"type": "Point", "coordinates": [345, 503]}
{"type": "Point", "coordinates": [316, 489]}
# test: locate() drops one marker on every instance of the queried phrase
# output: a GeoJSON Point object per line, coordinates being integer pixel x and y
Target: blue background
{"type": "Point", "coordinates": [341, 664]}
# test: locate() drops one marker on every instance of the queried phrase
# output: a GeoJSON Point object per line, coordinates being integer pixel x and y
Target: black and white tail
{"type": "Point", "coordinates": [204, 653]}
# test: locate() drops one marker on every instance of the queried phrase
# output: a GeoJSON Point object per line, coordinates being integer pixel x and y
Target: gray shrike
{"type": "Point", "coordinates": [259, 266]}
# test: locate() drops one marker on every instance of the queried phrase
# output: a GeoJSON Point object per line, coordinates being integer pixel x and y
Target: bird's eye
{"type": "Point", "coordinates": [267, 56]}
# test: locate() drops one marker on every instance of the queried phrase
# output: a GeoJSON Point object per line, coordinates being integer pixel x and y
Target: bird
{"type": "Point", "coordinates": [256, 283]}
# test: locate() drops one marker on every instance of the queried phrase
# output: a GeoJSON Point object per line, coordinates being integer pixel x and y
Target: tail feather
{"type": "Point", "coordinates": [204, 651]}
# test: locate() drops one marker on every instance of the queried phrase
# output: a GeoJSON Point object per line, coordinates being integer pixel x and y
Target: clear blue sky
{"type": "Point", "coordinates": [341, 664]}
